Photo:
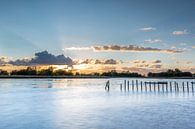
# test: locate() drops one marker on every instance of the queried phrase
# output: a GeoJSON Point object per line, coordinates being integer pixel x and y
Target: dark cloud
{"type": "Point", "coordinates": [156, 61]}
{"type": "Point", "coordinates": [44, 58]}
{"type": "Point", "coordinates": [20, 62]}
{"type": "Point", "coordinates": [156, 66]}
{"type": "Point", "coordinates": [133, 48]}
{"type": "Point", "coordinates": [110, 61]}
{"type": "Point", "coordinates": [3, 61]}
{"type": "Point", "coordinates": [146, 61]}
{"type": "Point", "coordinates": [47, 58]}
{"type": "Point", "coordinates": [153, 64]}
{"type": "Point", "coordinates": [97, 61]}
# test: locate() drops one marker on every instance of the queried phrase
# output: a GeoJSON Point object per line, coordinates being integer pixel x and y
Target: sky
{"type": "Point", "coordinates": [135, 33]}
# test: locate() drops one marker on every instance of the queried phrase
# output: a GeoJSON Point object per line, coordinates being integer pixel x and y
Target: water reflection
{"type": "Point", "coordinates": [83, 103]}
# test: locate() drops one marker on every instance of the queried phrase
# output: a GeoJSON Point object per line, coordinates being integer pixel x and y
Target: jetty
{"type": "Point", "coordinates": [157, 86]}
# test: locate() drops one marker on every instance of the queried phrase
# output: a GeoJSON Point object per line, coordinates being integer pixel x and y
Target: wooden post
{"type": "Point", "coordinates": [150, 85]}
{"type": "Point", "coordinates": [158, 87]}
{"type": "Point", "coordinates": [192, 86]}
{"type": "Point", "coordinates": [121, 87]}
{"type": "Point", "coordinates": [170, 86]}
{"type": "Point", "coordinates": [124, 85]}
{"type": "Point", "coordinates": [163, 87]}
{"type": "Point", "coordinates": [137, 85]}
{"type": "Point", "coordinates": [141, 86]}
{"type": "Point", "coordinates": [175, 86]}
{"type": "Point", "coordinates": [154, 86]}
{"type": "Point", "coordinates": [128, 85]}
{"type": "Point", "coordinates": [107, 87]}
{"type": "Point", "coordinates": [132, 85]}
{"type": "Point", "coordinates": [183, 86]}
{"type": "Point", "coordinates": [188, 86]}
{"type": "Point", "coordinates": [167, 87]}
{"type": "Point", "coordinates": [145, 86]}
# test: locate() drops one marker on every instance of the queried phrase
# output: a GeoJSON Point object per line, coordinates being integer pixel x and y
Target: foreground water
{"type": "Point", "coordinates": [83, 103]}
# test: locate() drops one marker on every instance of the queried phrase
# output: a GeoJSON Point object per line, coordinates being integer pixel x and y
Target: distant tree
{"type": "Point", "coordinates": [61, 72]}
{"type": "Point", "coordinates": [178, 71]}
{"type": "Point", "coordinates": [171, 73]}
{"type": "Point", "coordinates": [3, 72]}
{"type": "Point", "coordinates": [113, 73]}
{"type": "Point", "coordinates": [48, 71]}
{"type": "Point", "coordinates": [96, 74]}
{"type": "Point", "coordinates": [27, 71]}
{"type": "Point", "coordinates": [77, 73]}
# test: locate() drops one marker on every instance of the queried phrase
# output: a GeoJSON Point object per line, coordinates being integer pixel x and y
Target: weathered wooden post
{"type": "Point", "coordinates": [132, 85]}
{"type": "Point", "coordinates": [121, 87]}
{"type": "Point", "coordinates": [107, 87]}
{"type": "Point", "coordinates": [150, 85]}
{"type": "Point", "coordinates": [141, 86]}
{"type": "Point", "coordinates": [192, 86]}
{"type": "Point", "coordinates": [124, 85]}
{"type": "Point", "coordinates": [158, 87]}
{"type": "Point", "coordinates": [128, 85]}
{"type": "Point", "coordinates": [188, 86]}
{"type": "Point", "coordinates": [145, 86]}
{"type": "Point", "coordinates": [166, 86]}
{"type": "Point", "coordinates": [183, 86]}
{"type": "Point", "coordinates": [137, 85]}
{"type": "Point", "coordinates": [175, 86]}
{"type": "Point", "coordinates": [170, 86]}
{"type": "Point", "coordinates": [154, 86]}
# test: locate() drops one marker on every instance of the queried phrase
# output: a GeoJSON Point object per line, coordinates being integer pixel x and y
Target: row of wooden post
{"type": "Point", "coordinates": [164, 86]}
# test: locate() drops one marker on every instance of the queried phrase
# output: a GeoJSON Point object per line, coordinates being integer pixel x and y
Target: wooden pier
{"type": "Point", "coordinates": [157, 86]}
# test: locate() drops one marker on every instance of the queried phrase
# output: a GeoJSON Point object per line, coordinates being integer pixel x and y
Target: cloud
{"type": "Point", "coordinates": [138, 61]}
{"type": "Point", "coordinates": [47, 58]}
{"type": "Point", "coordinates": [98, 61]}
{"type": "Point", "coordinates": [3, 61]}
{"type": "Point", "coordinates": [44, 58]}
{"type": "Point", "coordinates": [157, 61]}
{"type": "Point", "coordinates": [156, 66]}
{"type": "Point", "coordinates": [184, 62]}
{"type": "Point", "coordinates": [20, 62]}
{"type": "Point", "coordinates": [78, 48]}
{"type": "Point", "coordinates": [140, 70]}
{"type": "Point", "coordinates": [151, 64]}
{"type": "Point", "coordinates": [110, 61]}
{"type": "Point", "coordinates": [193, 46]}
{"type": "Point", "coordinates": [180, 32]}
{"type": "Point", "coordinates": [132, 48]}
{"type": "Point", "coordinates": [147, 29]}
{"type": "Point", "coordinates": [146, 61]}
{"type": "Point", "coordinates": [153, 41]}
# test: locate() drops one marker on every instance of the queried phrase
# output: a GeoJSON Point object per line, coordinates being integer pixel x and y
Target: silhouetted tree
{"type": "Point", "coordinates": [3, 72]}
{"type": "Point", "coordinates": [48, 71]}
{"type": "Point", "coordinates": [113, 73]}
{"type": "Point", "coordinates": [27, 71]}
{"type": "Point", "coordinates": [171, 73]}
{"type": "Point", "coordinates": [61, 72]}
{"type": "Point", "coordinates": [77, 73]}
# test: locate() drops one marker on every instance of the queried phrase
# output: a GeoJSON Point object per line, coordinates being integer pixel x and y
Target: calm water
{"type": "Point", "coordinates": [83, 103]}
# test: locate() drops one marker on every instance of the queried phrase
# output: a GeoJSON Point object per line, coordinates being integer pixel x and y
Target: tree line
{"type": "Point", "coordinates": [171, 73]}
{"type": "Point", "coordinates": [51, 72]}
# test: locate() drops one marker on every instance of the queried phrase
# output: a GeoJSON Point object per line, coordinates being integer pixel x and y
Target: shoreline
{"type": "Point", "coordinates": [83, 77]}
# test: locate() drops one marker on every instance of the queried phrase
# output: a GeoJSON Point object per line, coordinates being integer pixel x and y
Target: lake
{"type": "Point", "coordinates": [83, 104]}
